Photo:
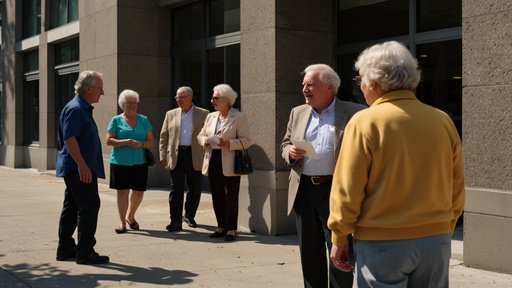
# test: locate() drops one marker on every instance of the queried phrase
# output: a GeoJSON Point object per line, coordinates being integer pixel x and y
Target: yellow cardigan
{"type": "Point", "coordinates": [400, 173]}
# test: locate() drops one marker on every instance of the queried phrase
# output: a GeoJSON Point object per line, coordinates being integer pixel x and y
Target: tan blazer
{"type": "Point", "coordinates": [296, 129]}
{"type": "Point", "coordinates": [236, 126]}
{"type": "Point", "coordinates": [170, 137]}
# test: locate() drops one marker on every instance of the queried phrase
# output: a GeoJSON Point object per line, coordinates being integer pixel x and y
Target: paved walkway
{"type": "Point", "coordinates": [30, 204]}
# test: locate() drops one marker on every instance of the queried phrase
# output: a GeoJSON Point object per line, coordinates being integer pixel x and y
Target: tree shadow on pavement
{"type": "Point", "coordinates": [47, 275]}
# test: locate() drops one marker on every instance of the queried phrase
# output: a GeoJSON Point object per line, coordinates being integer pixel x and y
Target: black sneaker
{"type": "Point", "coordinates": [190, 221]}
{"type": "Point", "coordinates": [174, 226]}
{"type": "Point", "coordinates": [92, 259]}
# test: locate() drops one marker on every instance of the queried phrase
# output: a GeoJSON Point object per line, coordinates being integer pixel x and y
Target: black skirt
{"type": "Point", "coordinates": [129, 177]}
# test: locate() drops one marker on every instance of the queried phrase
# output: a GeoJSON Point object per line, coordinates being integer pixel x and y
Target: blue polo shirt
{"type": "Point", "coordinates": [124, 155]}
{"type": "Point", "coordinates": [76, 120]}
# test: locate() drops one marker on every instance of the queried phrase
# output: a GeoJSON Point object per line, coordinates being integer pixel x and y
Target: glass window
{"type": "Point", "coordinates": [201, 61]}
{"type": "Point", "coordinates": [224, 67]}
{"type": "Point", "coordinates": [63, 12]}
{"type": "Point", "coordinates": [188, 23]}
{"type": "Point", "coordinates": [438, 14]}
{"type": "Point", "coordinates": [188, 72]}
{"type": "Point", "coordinates": [66, 52]}
{"type": "Point", "coordinates": [31, 97]}
{"type": "Point", "coordinates": [31, 13]}
{"type": "Point", "coordinates": [349, 90]}
{"type": "Point", "coordinates": [66, 70]}
{"type": "Point", "coordinates": [364, 20]}
{"type": "Point", "coordinates": [441, 83]}
{"type": "Point", "coordinates": [224, 16]}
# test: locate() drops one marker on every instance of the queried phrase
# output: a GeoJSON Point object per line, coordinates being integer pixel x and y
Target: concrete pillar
{"type": "Point", "coordinates": [12, 88]}
{"type": "Point", "coordinates": [278, 40]}
{"type": "Point", "coordinates": [487, 98]}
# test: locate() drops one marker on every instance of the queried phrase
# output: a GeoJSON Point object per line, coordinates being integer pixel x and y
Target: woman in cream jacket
{"type": "Point", "coordinates": [224, 131]}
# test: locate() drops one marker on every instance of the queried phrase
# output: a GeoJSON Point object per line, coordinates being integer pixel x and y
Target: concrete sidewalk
{"type": "Point", "coordinates": [152, 257]}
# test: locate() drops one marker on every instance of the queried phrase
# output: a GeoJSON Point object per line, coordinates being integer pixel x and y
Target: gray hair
{"type": "Point", "coordinates": [86, 78]}
{"type": "Point", "coordinates": [226, 91]}
{"type": "Point", "coordinates": [127, 93]}
{"type": "Point", "coordinates": [326, 74]}
{"type": "Point", "coordinates": [391, 65]}
{"type": "Point", "coordinates": [187, 90]}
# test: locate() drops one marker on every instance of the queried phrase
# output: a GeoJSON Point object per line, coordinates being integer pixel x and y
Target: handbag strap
{"type": "Point", "coordinates": [243, 148]}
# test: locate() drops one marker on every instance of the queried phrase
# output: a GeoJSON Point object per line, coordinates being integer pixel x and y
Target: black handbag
{"type": "Point", "coordinates": [150, 160]}
{"type": "Point", "coordinates": [243, 163]}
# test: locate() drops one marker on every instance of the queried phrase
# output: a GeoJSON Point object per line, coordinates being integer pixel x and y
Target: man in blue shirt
{"type": "Point", "coordinates": [80, 162]}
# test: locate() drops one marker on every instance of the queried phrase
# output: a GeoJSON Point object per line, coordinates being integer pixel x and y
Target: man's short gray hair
{"type": "Point", "coordinates": [86, 78]}
{"type": "Point", "coordinates": [187, 90]}
{"type": "Point", "coordinates": [391, 65]}
{"type": "Point", "coordinates": [226, 91]}
{"type": "Point", "coordinates": [326, 74]}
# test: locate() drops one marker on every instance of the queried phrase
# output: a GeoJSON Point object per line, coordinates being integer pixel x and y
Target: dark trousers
{"type": "Point", "coordinates": [312, 211]}
{"type": "Point", "coordinates": [225, 192]}
{"type": "Point", "coordinates": [79, 211]}
{"type": "Point", "coordinates": [184, 170]}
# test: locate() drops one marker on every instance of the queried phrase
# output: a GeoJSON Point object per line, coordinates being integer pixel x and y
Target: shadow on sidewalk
{"type": "Point", "coordinates": [47, 275]}
{"type": "Point", "coordinates": [199, 235]}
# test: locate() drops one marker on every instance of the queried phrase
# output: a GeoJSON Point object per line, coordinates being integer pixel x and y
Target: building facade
{"type": "Point", "coordinates": [260, 48]}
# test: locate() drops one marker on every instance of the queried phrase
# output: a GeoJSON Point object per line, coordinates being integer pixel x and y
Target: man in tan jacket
{"type": "Point", "coordinates": [180, 152]}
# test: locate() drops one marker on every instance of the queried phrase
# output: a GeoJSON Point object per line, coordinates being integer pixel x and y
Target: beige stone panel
{"type": "Point", "coordinates": [138, 34]}
{"type": "Point", "coordinates": [304, 15]}
{"type": "Point", "coordinates": [260, 113]}
{"type": "Point", "coordinates": [106, 32]}
{"type": "Point", "coordinates": [263, 203]}
{"type": "Point", "coordinates": [87, 38]}
{"type": "Point", "coordinates": [257, 56]}
{"type": "Point", "coordinates": [489, 201]}
{"type": "Point", "coordinates": [90, 7]}
{"type": "Point", "coordinates": [138, 73]}
{"type": "Point", "coordinates": [487, 136]}
{"type": "Point", "coordinates": [487, 46]}
{"type": "Point", "coordinates": [487, 242]}
{"type": "Point", "coordinates": [472, 8]}
{"type": "Point", "coordinates": [257, 15]}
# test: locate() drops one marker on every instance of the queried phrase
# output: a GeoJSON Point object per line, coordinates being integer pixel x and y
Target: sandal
{"type": "Point", "coordinates": [134, 225]}
{"type": "Point", "coordinates": [120, 229]}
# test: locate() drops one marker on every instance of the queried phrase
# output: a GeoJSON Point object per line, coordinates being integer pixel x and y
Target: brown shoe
{"type": "Point", "coordinates": [120, 229]}
{"type": "Point", "coordinates": [134, 225]}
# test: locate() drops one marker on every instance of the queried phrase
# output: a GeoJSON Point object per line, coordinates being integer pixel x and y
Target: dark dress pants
{"type": "Point", "coordinates": [184, 170]}
{"type": "Point", "coordinates": [312, 211]}
{"type": "Point", "coordinates": [80, 211]}
{"type": "Point", "coordinates": [225, 191]}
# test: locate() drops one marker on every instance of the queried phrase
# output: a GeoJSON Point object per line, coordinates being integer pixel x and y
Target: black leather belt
{"type": "Point", "coordinates": [181, 147]}
{"type": "Point", "coordinates": [317, 180]}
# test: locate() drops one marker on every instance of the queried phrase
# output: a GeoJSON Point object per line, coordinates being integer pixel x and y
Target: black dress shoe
{"type": "Point", "coordinates": [190, 221]}
{"type": "Point", "coordinates": [217, 234]}
{"type": "Point", "coordinates": [92, 259]}
{"type": "Point", "coordinates": [229, 237]}
{"type": "Point", "coordinates": [65, 255]}
{"type": "Point", "coordinates": [174, 226]}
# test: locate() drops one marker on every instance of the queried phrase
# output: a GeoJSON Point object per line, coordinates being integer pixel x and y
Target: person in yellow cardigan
{"type": "Point", "coordinates": [398, 184]}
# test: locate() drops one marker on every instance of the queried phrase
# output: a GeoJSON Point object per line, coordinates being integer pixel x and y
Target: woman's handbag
{"type": "Point", "coordinates": [150, 161]}
{"type": "Point", "coordinates": [243, 163]}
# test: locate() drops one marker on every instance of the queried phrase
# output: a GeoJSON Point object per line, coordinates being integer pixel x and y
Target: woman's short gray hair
{"type": "Point", "coordinates": [226, 91]}
{"type": "Point", "coordinates": [127, 93]}
{"type": "Point", "coordinates": [86, 78]}
{"type": "Point", "coordinates": [326, 74]}
{"type": "Point", "coordinates": [391, 65]}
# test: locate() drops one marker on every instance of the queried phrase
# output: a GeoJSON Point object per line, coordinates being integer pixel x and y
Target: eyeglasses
{"type": "Point", "coordinates": [131, 103]}
{"type": "Point", "coordinates": [358, 80]}
{"type": "Point", "coordinates": [180, 97]}
{"type": "Point", "coordinates": [215, 98]}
